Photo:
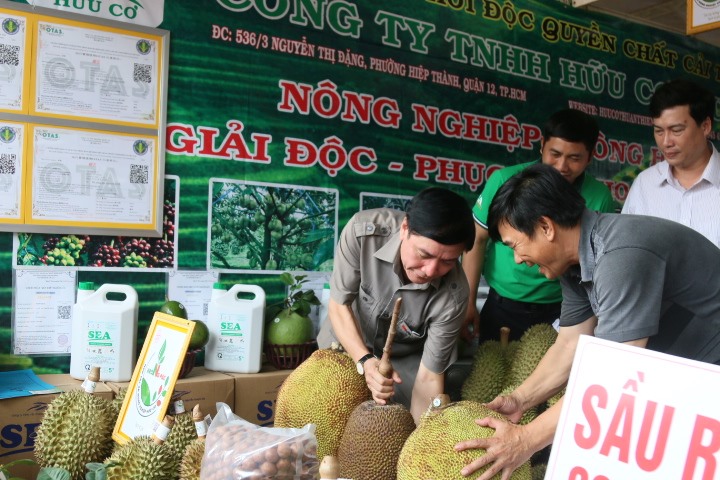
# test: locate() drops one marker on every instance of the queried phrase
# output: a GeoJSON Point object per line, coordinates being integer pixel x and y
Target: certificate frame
{"type": "Point", "coordinates": [65, 117]}
{"type": "Point", "coordinates": [709, 13]}
{"type": "Point", "coordinates": [153, 381]}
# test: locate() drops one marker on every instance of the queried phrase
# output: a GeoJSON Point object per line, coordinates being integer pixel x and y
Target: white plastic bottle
{"type": "Point", "coordinates": [236, 330]}
{"type": "Point", "coordinates": [104, 332]}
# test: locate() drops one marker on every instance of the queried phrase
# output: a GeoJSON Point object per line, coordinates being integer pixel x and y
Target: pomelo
{"type": "Point", "coordinates": [200, 336]}
{"type": "Point", "coordinates": [289, 328]}
{"type": "Point", "coordinates": [176, 309]}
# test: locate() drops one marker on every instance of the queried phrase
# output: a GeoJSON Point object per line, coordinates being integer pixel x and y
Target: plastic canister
{"type": "Point", "coordinates": [236, 330]}
{"type": "Point", "coordinates": [104, 332]}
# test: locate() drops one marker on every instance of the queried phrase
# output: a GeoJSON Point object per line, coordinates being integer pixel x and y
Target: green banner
{"type": "Point", "coordinates": [287, 116]}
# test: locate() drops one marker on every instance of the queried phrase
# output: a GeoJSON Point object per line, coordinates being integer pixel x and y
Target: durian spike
{"type": "Point", "coordinates": [385, 367]}
{"type": "Point", "coordinates": [329, 468]}
{"type": "Point", "coordinates": [199, 420]}
{"type": "Point", "coordinates": [504, 336]}
{"type": "Point", "coordinates": [161, 432]}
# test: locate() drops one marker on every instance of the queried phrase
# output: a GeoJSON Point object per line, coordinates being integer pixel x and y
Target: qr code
{"type": "Point", "coordinates": [9, 54]}
{"type": "Point", "coordinates": [138, 174]}
{"type": "Point", "coordinates": [205, 309]}
{"type": "Point", "coordinates": [64, 312]}
{"type": "Point", "coordinates": [142, 73]}
{"type": "Point", "coordinates": [7, 164]}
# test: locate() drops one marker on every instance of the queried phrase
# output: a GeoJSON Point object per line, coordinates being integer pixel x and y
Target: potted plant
{"type": "Point", "coordinates": [289, 330]}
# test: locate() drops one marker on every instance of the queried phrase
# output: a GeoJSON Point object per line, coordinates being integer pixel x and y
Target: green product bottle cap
{"type": "Point", "coordinates": [327, 285]}
{"type": "Point", "coordinates": [86, 286]}
{"type": "Point", "coordinates": [218, 286]}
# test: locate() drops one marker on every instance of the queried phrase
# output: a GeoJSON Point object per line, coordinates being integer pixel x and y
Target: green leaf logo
{"type": "Point", "coordinates": [140, 147]}
{"type": "Point", "coordinates": [143, 46]}
{"type": "Point", "coordinates": [10, 26]}
{"type": "Point", "coordinates": [7, 134]}
{"type": "Point", "coordinates": [145, 393]}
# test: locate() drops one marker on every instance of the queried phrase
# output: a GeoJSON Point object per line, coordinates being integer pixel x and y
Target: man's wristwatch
{"type": "Point", "coordinates": [362, 361]}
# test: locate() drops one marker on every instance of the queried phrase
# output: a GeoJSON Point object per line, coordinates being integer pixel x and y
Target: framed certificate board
{"type": "Point", "coordinates": [154, 377]}
{"type": "Point", "coordinates": [86, 102]}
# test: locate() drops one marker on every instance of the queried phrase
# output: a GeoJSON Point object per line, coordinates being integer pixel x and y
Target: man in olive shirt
{"type": "Point", "coordinates": [384, 254]}
{"type": "Point", "coordinates": [520, 296]}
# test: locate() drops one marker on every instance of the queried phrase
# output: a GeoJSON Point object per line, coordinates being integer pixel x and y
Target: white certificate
{"type": "Point", "coordinates": [96, 73]}
{"type": "Point", "coordinates": [13, 29]}
{"type": "Point", "coordinates": [192, 288]}
{"type": "Point", "coordinates": [11, 157]}
{"type": "Point", "coordinates": [80, 175]}
{"type": "Point", "coordinates": [43, 311]}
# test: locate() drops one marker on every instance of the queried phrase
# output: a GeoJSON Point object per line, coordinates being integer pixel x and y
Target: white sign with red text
{"type": "Point", "coordinates": [632, 413]}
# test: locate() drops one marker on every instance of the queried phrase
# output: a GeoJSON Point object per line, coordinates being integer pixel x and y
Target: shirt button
{"type": "Point", "coordinates": [453, 286]}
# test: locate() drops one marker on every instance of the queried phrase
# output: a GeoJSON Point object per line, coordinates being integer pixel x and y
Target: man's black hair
{"type": "Point", "coordinates": [679, 92]}
{"type": "Point", "coordinates": [537, 191]}
{"type": "Point", "coordinates": [441, 215]}
{"type": "Point", "coordinates": [572, 126]}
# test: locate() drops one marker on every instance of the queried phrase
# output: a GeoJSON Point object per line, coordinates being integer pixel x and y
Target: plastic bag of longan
{"type": "Point", "coordinates": [237, 449]}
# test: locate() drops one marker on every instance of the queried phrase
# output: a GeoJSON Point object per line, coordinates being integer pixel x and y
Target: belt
{"type": "Point", "coordinates": [538, 307]}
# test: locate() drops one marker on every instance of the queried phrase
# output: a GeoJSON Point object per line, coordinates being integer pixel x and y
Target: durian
{"type": "Point", "coordinates": [488, 373]}
{"type": "Point", "coordinates": [429, 451]}
{"type": "Point", "coordinates": [372, 440]}
{"type": "Point", "coordinates": [322, 390]}
{"type": "Point", "coordinates": [76, 429]}
{"type": "Point", "coordinates": [191, 460]}
{"type": "Point", "coordinates": [141, 459]}
{"type": "Point", "coordinates": [183, 431]}
{"type": "Point", "coordinates": [533, 345]}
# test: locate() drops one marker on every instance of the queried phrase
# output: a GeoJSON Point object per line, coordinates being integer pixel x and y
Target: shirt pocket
{"type": "Point", "coordinates": [410, 329]}
{"type": "Point", "coordinates": [366, 306]}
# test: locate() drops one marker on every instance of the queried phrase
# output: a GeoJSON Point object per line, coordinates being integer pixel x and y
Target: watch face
{"type": "Point", "coordinates": [360, 368]}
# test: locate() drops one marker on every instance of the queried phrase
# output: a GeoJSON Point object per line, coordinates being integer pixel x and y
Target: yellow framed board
{"type": "Point", "coordinates": [15, 47]}
{"type": "Point", "coordinates": [106, 179]}
{"type": "Point", "coordinates": [702, 15]}
{"type": "Point", "coordinates": [154, 377]}
{"type": "Point", "coordinates": [13, 145]}
{"type": "Point", "coordinates": [100, 82]}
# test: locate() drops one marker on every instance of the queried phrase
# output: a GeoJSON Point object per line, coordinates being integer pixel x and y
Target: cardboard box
{"type": "Point", "coordinates": [21, 416]}
{"type": "Point", "coordinates": [256, 393]}
{"type": "Point", "coordinates": [201, 386]}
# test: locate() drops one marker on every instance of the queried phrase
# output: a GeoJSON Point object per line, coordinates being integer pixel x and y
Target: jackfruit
{"type": "Point", "coordinates": [533, 345]}
{"type": "Point", "coordinates": [323, 390]}
{"type": "Point", "coordinates": [429, 451]}
{"type": "Point", "coordinates": [538, 471]}
{"type": "Point", "coordinates": [372, 440]}
{"type": "Point", "coordinates": [191, 460]}
{"type": "Point", "coordinates": [488, 373]}
{"type": "Point", "coordinates": [530, 414]}
{"type": "Point", "coordinates": [555, 398]}
{"type": "Point", "coordinates": [141, 459]}
{"type": "Point", "coordinates": [76, 429]}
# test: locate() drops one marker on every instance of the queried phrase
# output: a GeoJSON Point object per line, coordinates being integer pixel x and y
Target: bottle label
{"type": "Point", "coordinates": [161, 432]}
{"type": "Point", "coordinates": [89, 386]}
{"type": "Point", "coordinates": [201, 428]}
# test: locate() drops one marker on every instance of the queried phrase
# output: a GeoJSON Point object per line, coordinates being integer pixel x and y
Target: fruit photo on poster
{"type": "Point", "coordinates": [104, 251]}
{"type": "Point", "coordinates": [271, 227]}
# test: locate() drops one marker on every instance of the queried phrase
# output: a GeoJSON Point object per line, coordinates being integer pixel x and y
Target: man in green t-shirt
{"type": "Point", "coordinates": [519, 295]}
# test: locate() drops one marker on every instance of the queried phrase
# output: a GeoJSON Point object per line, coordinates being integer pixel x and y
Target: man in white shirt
{"type": "Point", "coordinates": [685, 187]}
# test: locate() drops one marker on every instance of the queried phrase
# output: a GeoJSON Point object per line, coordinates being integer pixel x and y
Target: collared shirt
{"type": "Point", "coordinates": [646, 277]}
{"type": "Point", "coordinates": [520, 282]}
{"type": "Point", "coordinates": [657, 192]}
{"type": "Point", "coordinates": [368, 275]}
